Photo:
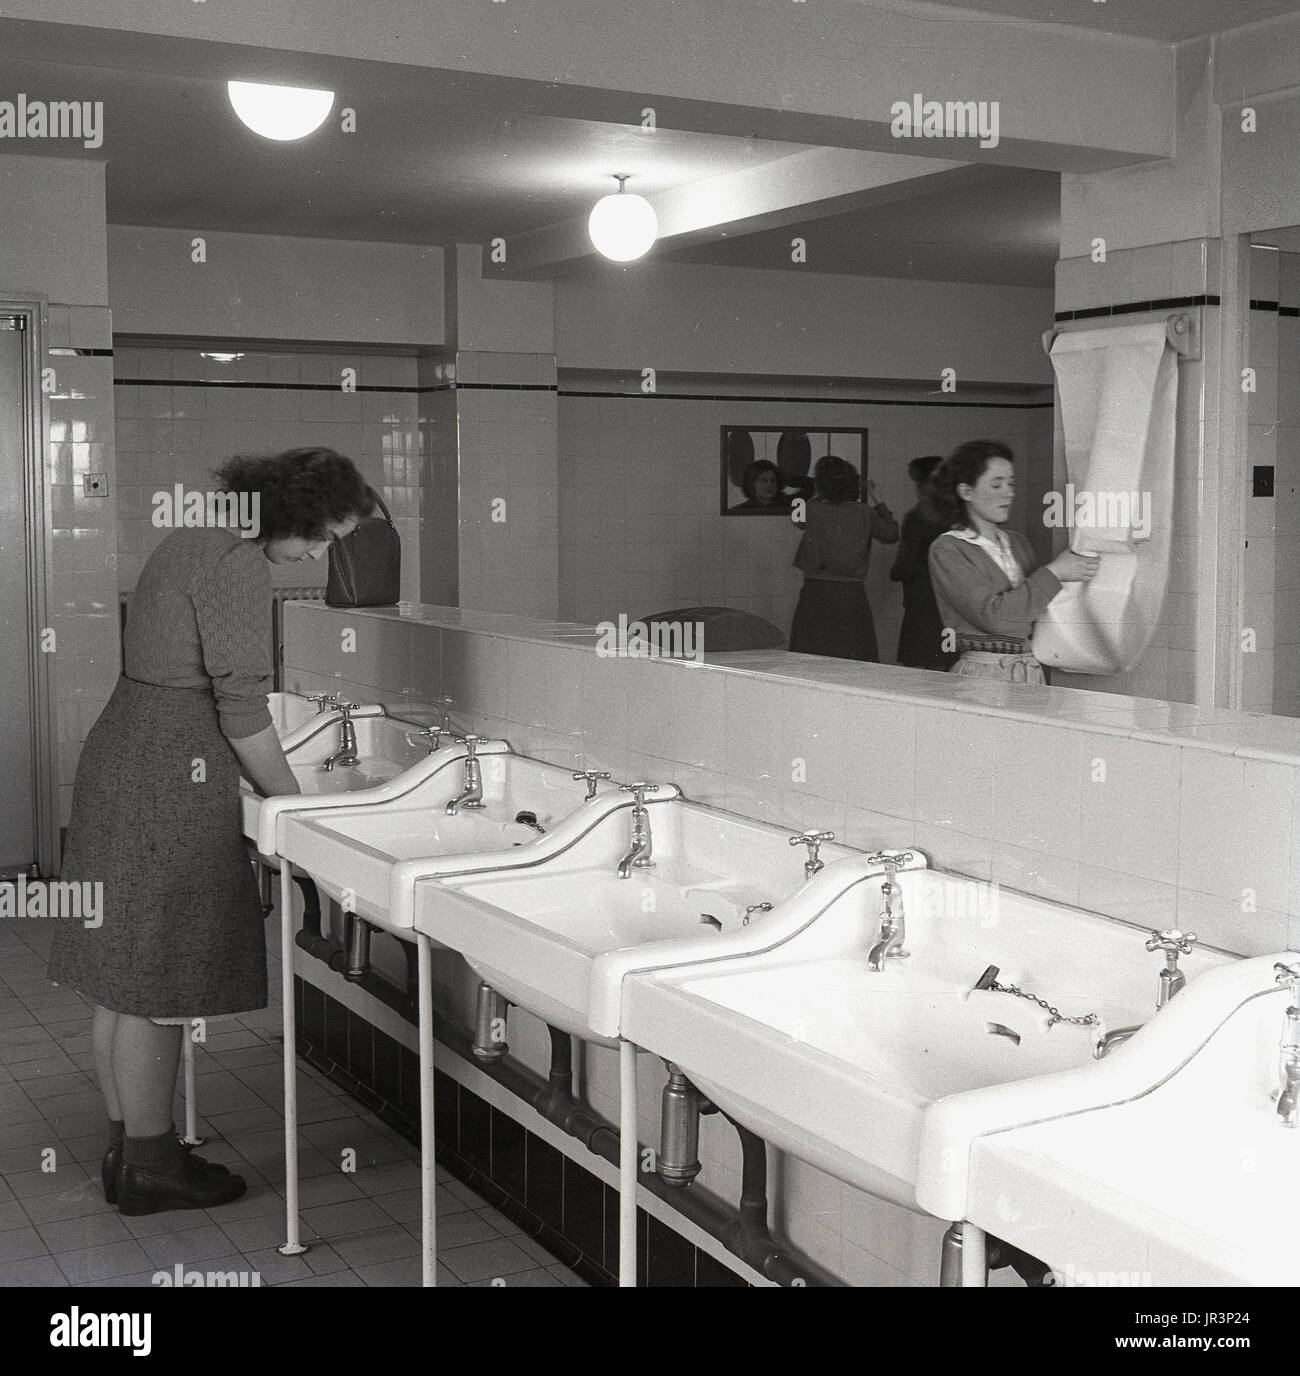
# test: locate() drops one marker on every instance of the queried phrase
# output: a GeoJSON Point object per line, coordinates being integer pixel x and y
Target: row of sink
{"type": "Point", "coordinates": [866, 1013]}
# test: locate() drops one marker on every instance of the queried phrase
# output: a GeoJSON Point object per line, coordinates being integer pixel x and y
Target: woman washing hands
{"type": "Point", "coordinates": [987, 581]}
{"type": "Point", "coordinates": [156, 814]}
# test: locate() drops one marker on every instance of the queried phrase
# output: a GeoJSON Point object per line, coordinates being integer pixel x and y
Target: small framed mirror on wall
{"type": "Point", "coordinates": [764, 468]}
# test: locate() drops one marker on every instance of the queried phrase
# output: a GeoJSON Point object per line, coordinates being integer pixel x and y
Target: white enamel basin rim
{"type": "Point", "coordinates": [1182, 1182]}
{"type": "Point", "coordinates": [388, 764]}
{"type": "Point", "coordinates": [539, 931]}
{"type": "Point", "coordinates": [847, 1067]}
{"type": "Point", "coordinates": [377, 852]}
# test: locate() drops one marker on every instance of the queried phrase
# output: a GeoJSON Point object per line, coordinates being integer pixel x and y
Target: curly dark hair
{"type": "Point", "coordinates": [966, 464]}
{"type": "Point", "coordinates": [836, 480]}
{"type": "Point", "coordinates": [301, 491]}
{"type": "Point", "coordinates": [751, 475]}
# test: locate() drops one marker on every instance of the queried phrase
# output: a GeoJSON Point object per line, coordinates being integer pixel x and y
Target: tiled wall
{"type": "Point", "coordinates": [1277, 417]}
{"type": "Point", "coordinates": [506, 427]}
{"type": "Point", "coordinates": [84, 556]}
{"type": "Point", "coordinates": [1137, 284]}
{"type": "Point", "coordinates": [180, 414]}
{"type": "Point", "coordinates": [640, 529]}
{"type": "Point", "coordinates": [1035, 788]}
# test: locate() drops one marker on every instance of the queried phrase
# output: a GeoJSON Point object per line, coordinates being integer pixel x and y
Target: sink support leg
{"type": "Point", "coordinates": [292, 1246]}
{"type": "Point", "coordinates": [191, 1138]}
{"type": "Point", "coordinates": [428, 1178]}
{"type": "Point", "coordinates": [965, 1257]}
{"type": "Point", "coordinates": [627, 1163]}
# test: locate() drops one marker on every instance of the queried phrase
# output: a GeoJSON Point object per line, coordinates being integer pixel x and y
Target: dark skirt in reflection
{"type": "Point", "coordinates": [920, 640]}
{"type": "Point", "coordinates": [833, 618]}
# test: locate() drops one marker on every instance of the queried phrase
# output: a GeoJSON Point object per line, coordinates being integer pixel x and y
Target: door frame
{"type": "Point", "coordinates": [33, 311]}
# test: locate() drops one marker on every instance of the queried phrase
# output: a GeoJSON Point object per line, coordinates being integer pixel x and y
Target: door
{"type": "Point", "coordinates": [17, 775]}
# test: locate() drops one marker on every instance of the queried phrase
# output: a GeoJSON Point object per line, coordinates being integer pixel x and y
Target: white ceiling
{"type": "Point", "coordinates": [1168, 21]}
{"type": "Point", "coordinates": [438, 158]}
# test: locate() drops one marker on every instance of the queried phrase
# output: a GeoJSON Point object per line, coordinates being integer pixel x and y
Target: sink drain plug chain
{"type": "Point", "coordinates": [989, 980]}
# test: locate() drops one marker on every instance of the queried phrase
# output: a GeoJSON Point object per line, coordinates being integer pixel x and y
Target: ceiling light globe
{"type": "Point", "coordinates": [623, 226]}
{"type": "Point", "coordinates": [282, 113]}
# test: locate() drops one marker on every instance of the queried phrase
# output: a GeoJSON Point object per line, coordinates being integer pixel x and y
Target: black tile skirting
{"type": "Point", "coordinates": [567, 1209]}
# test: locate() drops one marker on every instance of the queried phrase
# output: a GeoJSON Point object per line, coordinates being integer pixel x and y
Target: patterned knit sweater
{"type": "Point", "coordinates": [200, 616]}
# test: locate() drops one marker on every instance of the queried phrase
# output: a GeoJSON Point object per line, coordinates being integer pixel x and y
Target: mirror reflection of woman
{"type": "Point", "coordinates": [987, 580]}
{"type": "Point", "coordinates": [920, 641]}
{"type": "Point", "coordinates": [833, 616]}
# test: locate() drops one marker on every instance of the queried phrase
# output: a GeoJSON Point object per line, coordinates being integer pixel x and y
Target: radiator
{"type": "Point", "coordinates": [279, 596]}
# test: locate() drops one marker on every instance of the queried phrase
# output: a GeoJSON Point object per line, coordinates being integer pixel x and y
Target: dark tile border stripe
{"type": "Point", "coordinates": [808, 401]}
{"type": "Point", "coordinates": [1167, 303]}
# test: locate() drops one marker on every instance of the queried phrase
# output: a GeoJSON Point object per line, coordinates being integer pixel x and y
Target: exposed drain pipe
{"type": "Point", "coordinates": [357, 943]}
{"type": "Point", "coordinates": [553, 1099]}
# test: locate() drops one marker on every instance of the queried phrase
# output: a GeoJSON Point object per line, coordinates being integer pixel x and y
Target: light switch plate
{"type": "Point", "coordinates": [95, 484]}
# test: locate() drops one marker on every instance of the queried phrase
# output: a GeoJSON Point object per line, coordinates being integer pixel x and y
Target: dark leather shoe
{"type": "Point", "coordinates": [113, 1159]}
{"type": "Point", "coordinates": [141, 1191]}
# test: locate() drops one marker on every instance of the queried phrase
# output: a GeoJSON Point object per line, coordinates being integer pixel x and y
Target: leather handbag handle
{"type": "Point", "coordinates": [379, 502]}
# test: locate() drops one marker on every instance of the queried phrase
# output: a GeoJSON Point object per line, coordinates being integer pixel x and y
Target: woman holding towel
{"type": "Point", "coordinates": [987, 581]}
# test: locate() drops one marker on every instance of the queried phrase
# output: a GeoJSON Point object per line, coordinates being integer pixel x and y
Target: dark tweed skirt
{"type": "Point", "coordinates": [834, 618]}
{"type": "Point", "coordinates": [155, 819]}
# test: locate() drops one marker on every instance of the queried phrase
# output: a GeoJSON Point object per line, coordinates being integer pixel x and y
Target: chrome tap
{"type": "Point", "coordinates": [641, 849]}
{"type": "Point", "coordinates": [1172, 979]}
{"type": "Point", "coordinates": [471, 796]}
{"type": "Point", "coordinates": [1288, 1091]}
{"type": "Point", "coordinates": [1173, 943]}
{"type": "Point", "coordinates": [591, 776]}
{"type": "Point", "coordinates": [813, 840]}
{"type": "Point", "coordinates": [893, 927]}
{"type": "Point", "coordinates": [347, 752]}
{"type": "Point", "coordinates": [432, 734]}
{"type": "Point", "coordinates": [324, 701]}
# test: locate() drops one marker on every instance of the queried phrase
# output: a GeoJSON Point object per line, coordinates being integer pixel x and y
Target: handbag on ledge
{"type": "Point", "coordinates": [366, 566]}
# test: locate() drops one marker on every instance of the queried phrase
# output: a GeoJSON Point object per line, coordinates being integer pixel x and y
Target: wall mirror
{"type": "Point", "coordinates": [764, 468]}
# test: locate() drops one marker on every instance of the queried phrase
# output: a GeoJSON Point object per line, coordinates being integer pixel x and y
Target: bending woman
{"type": "Point", "coordinates": [833, 616]}
{"type": "Point", "coordinates": [987, 581]}
{"type": "Point", "coordinates": [156, 813]}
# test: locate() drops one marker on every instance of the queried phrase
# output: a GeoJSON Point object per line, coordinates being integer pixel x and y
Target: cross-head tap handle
{"type": "Point", "coordinates": [1288, 974]}
{"type": "Point", "coordinates": [592, 776]}
{"type": "Point", "coordinates": [323, 701]}
{"type": "Point", "coordinates": [890, 857]}
{"type": "Point", "coordinates": [813, 840]}
{"type": "Point", "coordinates": [1172, 942]}
{"type": "Point", "coordinates": [638, 791]}
{"type": "Point", "coordinates": [470, 743]}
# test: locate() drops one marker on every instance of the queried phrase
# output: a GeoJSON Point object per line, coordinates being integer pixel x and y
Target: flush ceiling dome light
{"type": "Point", "coordinates": [280, 112]}
{"type": "Point", "coordinates": [623, 227]}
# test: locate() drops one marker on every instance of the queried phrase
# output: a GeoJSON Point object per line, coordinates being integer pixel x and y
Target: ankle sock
{"type": "Point", "coordinates": [162, 1153]}
{"type": "Point", "coordinates": [116, 1134]}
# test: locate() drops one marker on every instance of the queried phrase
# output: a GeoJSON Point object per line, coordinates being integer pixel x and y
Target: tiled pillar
{"type": "Point", "coordinates": [505, 417]}
{"type": "Point", "coordinates": [1286, 489]}
{"type": "Point", "coordinates": [439, 482]}
{"type": "Point", "coordinates": [1259, 512]}
{"type": "Point", "coordinates": [509, 515]}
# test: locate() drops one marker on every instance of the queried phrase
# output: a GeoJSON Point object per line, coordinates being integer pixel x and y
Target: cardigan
{"type": "Point", "coordinates": [200, 616]}
{"type": "Point", "coordinates": [975, 596]}
{"type": "Point", "coordinates": [836, 543]}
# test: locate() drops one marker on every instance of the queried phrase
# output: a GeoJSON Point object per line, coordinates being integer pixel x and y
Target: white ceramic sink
{"type": "Point", "coordinates": [841, 1065]}
{"type": "Point", "coordinates": [555, 935]}
{"type": "Point", "coordinates": [370, 857]}
{"type": "Point", "coordinates": [390, 756]}
{"type": "Point", "coordinates": [1182, 1184]}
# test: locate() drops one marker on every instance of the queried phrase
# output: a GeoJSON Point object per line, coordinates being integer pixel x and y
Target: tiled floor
{"type": "Point", "coordinates": [362, 1227]}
